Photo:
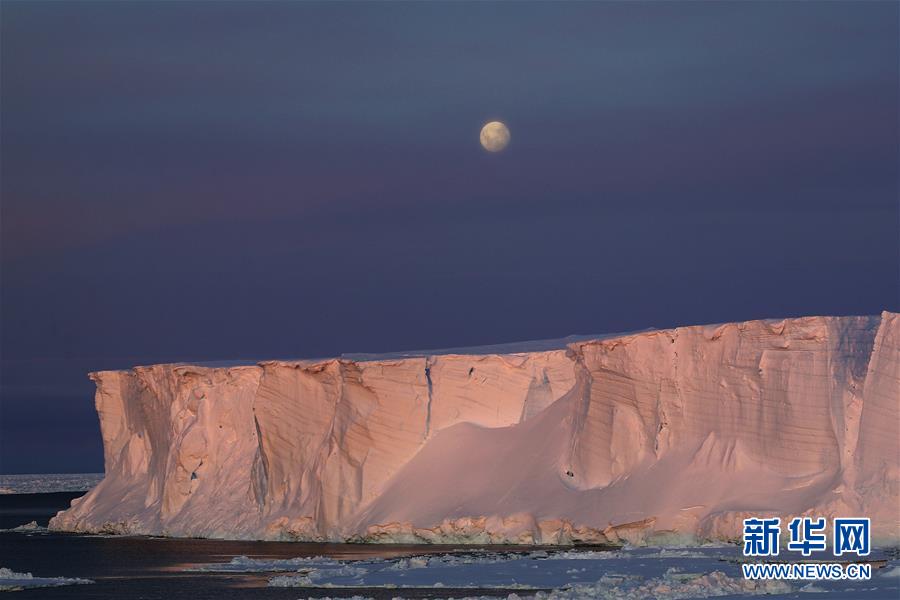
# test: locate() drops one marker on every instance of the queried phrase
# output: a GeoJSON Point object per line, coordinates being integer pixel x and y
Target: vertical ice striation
{"type": "Point", "coordinates": [640, 437]}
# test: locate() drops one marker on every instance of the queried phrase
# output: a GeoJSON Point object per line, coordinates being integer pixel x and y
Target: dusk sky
{"type": "Point", "coordinates": [246, 180]}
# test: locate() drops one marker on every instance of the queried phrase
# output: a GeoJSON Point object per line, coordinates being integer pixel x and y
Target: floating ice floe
{"type": "Point", "coordinates": [31, 527]}
{"type": "Point", "coordinates": [538, 570]}
{"type": "Point", "coordinates": [892, 572]}
{"type": "Point", "coordinates": [671, 586]}
{"type": "Point", "coordinates": [12, 581]}
{"type": "Point", "coordinates": [666, 573]}
{"type": "Point", "coordinates": [342, 598]}
{"type": "Point", "coordinates": [243, 564]}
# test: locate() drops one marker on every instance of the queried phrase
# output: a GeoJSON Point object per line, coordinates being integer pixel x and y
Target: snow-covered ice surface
{"type": "Point", "coordinates": [11, 581]}
{"type": "Point", "coordinates": [630, 573]}
{"type": "Point", "coordinates": [42, 483]}
{"type": "Point", "coordinates": [641, 438]}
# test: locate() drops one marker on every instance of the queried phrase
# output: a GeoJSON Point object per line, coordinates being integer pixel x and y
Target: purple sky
{"type": "Point", "coordinates": [200, 181]}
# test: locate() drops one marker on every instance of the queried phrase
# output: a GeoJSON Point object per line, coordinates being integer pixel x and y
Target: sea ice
{"type": "Point", "coordinates": [11, 581]}
{"type": "Point", "coordinates": [629, 573]}
{"type": "Point", "coordinates": [42, 483]}
{"type": "Point", "coordinates": [31, 527]}
{"type": "Point", "coordinates": [243, 564]}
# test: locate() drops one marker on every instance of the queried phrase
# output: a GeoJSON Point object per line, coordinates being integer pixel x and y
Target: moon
{"type": "Point", "coordinates": [494, 136]}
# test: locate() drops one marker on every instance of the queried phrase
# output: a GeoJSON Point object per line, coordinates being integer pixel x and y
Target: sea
{"type": "Point", "coordinates": [76, 566]}
{"type": "Point", "coordinates": [151, 568]}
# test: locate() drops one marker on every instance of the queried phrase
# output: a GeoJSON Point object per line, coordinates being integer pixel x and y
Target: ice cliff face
{"type": "Point", "coordinates": [643, 437]}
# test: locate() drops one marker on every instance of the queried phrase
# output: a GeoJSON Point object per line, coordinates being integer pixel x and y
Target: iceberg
{"type": "Point", "coordinates": [651, 437]}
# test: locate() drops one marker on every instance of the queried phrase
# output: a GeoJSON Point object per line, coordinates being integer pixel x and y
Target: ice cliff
{"type": "Point", "coordinates": [640, 437]}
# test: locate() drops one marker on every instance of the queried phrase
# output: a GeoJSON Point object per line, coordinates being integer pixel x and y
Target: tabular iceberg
{"type": "Point", "coordinates": [641, 437]}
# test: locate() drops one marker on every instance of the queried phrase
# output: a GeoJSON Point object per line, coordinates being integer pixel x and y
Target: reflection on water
{"type": "Point", "coordinates": [151, 568]}
{"type": "Point", "coordinates": [125, 567]}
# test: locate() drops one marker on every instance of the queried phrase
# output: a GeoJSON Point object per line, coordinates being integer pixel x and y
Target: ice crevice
{"type": "Point", "coordinates": [430, 396]}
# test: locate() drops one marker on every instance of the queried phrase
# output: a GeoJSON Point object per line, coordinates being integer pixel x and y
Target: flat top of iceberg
{"type": "Point", "coordinates": [503, 348]}
{"type": "Point", "coordinates": [506, 348]}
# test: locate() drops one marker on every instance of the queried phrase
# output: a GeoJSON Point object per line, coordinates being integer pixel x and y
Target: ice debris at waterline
{"type": "Point", "coordinates": [666, 573]}
{"type": "Point", "coordinates": [646, 437]}
{"type": "Point", "coordinates": [11, 581]}
{"type": "Point", "coordinates": [30, 527]}
{"type": "Point", "coordinates": [481, 569]}
{"type": "Point", "coordinates": [672, 585]}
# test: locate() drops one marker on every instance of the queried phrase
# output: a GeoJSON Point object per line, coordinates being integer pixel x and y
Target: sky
{"type": "Point", "coordinates": [185, 181]}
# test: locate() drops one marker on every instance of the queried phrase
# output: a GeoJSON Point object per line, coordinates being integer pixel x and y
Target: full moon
{"type": "Point", "coordinates": [494, 136]}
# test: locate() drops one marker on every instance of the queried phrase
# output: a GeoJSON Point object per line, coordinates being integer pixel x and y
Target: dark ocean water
{"type": "Point", "coordinates": [152, 568]}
